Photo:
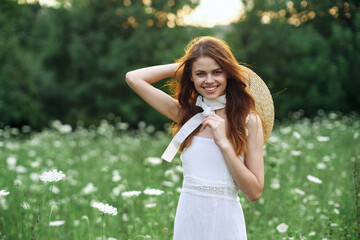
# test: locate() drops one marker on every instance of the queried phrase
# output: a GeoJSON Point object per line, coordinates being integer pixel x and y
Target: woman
{"type": "Point", "coordinates": [220, 128]}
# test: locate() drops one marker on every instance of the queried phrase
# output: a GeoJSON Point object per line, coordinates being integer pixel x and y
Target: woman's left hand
{"type": "Point", "coordinates": [217, 125]}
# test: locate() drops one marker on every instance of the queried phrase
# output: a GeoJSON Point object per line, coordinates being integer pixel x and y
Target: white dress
{"type": "Point", "coordinates": [209, 206]}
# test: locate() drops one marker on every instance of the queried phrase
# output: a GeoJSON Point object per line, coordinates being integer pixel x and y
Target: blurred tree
{"type": "Point", "coordinates": [306, 54]}
{"type": "Point", "coordinates": [69, 63]}
{"type": "Point", "coordinates": [20, 103]}
{"type": "Point", "coordinates": [86, 50]}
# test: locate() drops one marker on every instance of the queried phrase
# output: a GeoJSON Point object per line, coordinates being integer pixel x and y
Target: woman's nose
{"type": "Point", "coordinates": [209, 78]}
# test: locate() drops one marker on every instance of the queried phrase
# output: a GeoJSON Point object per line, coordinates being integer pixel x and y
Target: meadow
{"type": "Point", "coordinates": [312, 182]}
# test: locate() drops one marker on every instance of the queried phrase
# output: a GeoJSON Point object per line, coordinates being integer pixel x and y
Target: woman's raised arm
{"type": "Point", "coordinates": [140, 81]}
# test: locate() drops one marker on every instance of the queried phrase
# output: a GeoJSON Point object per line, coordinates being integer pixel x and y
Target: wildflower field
{"type": "Point", "coordinates": [107, 182]}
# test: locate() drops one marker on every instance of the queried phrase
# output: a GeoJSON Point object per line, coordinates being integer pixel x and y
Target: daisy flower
{"type": "Point", "coordinates": [154, 160]}
{"type": "Point", "coordinates": [4, 193]}
{"type": "Point", "coordinates": [313, 179]}
{"type": "Point", "coordinates": [57, 223]}
{"type": "Point", "coordinates": [52, 176]}
{"type": "Point", "coordinates": [130, 193]}
{"type": "Point", "coordinates": [282, 227]}
{"type": "Point", "coordinates": [153, 192]}
{"type": "Point", "coordinates": [105, 208]}
{"type": "Point", "coordinates": [322, 138]}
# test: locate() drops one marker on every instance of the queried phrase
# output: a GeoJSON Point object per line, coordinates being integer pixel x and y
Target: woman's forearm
{"type": "Point", "coordinates": [152, 74]}
{"type": "Point", "coordinates": [246, 180]}
{"type": "Point", "coordinates": [140, 81]}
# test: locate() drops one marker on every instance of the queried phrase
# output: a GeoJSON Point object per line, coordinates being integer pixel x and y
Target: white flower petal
{"type": "Point", "coordinates": [283, 227]}
{"type": "Point", "coordinates": [313, 179]}
{"type": "Point", "coordinates": [298, 191]}
{"type": "Point", "coordinates": [130, 193]}
{"type": "Point", "coordinates": [57, 223]}
{"type": "Point", "coordinates": [4, 193]}
{"type": "Point", "coordinates": [154, 160]}
{"type": "Point", "coordinates": [322, 138]}
{"type": "Point", "coordinates": [52, 176]}
{"type": "Point", "coordinates": [153, 192]}
{"type": "Point", "coordinates": [105, 208]}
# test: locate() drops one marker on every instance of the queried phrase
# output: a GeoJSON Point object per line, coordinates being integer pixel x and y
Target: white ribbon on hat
{"type": "Point", "coordinates": [209, 106]}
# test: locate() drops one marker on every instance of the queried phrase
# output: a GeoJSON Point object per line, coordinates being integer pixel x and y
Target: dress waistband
{"type": "Point", "coordinates": [206, 188]}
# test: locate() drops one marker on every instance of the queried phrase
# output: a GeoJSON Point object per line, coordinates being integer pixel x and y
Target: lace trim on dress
{"type": "Point", "coordinates": [209, 188]}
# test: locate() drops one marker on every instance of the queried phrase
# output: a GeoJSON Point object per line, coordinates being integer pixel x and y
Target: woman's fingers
{"type": "Point", "coordinates": [212, 120]}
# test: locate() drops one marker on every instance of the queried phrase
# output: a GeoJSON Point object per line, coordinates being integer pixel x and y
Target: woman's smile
{"type": "Point", "coordinates": [210, 89]}
{"type": "Point", "coordinates": [208, 77]}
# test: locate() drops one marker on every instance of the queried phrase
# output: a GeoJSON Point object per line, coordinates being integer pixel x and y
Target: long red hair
{"type": "Point", "coordinates": [239, 102]}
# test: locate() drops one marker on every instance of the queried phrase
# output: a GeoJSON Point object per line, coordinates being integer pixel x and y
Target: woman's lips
{"type": "Point", "coordinates": [210, 89]}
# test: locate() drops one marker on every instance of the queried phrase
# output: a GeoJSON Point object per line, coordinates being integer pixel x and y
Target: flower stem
{"type": "Point", "coordinates": [50, 209]}
{"type": "Point", "coordinates": [102, 225]}
{"type": "Point", "coordinates": [88, 225]}
{"type": "Point", "coordinates": [357, 193]}
{"type": "Point", "coordinates": [26, 205]}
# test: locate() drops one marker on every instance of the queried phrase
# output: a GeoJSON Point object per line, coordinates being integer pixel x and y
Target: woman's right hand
{"type": "Point", "coordinates": [140, 81]}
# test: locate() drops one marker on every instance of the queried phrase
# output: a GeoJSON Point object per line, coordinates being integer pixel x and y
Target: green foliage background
{"type": "Point", "coordinates": [69, 63]}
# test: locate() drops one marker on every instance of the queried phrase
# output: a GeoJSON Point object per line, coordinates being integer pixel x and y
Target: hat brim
{"type": "Point", "coordinates": [264, 105]}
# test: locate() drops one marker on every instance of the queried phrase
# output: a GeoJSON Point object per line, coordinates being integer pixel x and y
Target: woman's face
{"type": "Point", "coordinates": [208, 77]}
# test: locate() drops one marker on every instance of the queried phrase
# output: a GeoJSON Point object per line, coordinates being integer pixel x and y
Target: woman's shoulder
{"type": "Point", "coordinates": [252, 117]}
{"type": "Point", "coordinates": [253, 121]}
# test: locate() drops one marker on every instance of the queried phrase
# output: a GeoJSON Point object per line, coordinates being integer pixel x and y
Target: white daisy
{"type": "Point", "coordinates": [313, 179]}
{"type": "Point", "coordinates": [105, 208]}
{"type": "Point", "coordinates": [3, 204]}
{"type": "Point", "coordinates": [26, 205]}
{"type": "Point", "coordinates": [55, 190]}
{"type": "Point", "coordinates": [295, 153]}
{"type": "Point", "coordinates": [130, 193]}
{"type": "Point", "coordinates": [125, 217]}
{"type": "Point", "coordinates": [20, 169]}
{"type": "Point", "coordinates": [150, 205]}
{"type": "Point", "coordinates": [154, 160]}
{"type": "Point", "coordinates": [76, 223]}
{"type": "Point", "coordinates": [356, 135]}
{"type": "Point", "coordinates": [322, 138]}
{"type": "Point", "coordinates": [57, 223]}
{"type": "Point", "coordinates": [274, 139]}
{"type": "Point", "coordinates": [4, 193]}
{"type": "Point", "coordinates": [116, 176]}
{"type": "Point", "coordinates": [89, 188]}
{"type": "Point", "coordinates": [282, 227]}
{"type": "Point", "coordinates": [321, 165]}
{"type": "Point", "coordinates": [275, 183]}
{"type": "Point", "coordinates": [297, 134]}
{"type": "Point", "coordinates": [11, 161]}
{"type": "Point", "coordinates": [168, 184]}
{"type": "Point", "coordinates": [298, 191]}
{"type": "Point", "coordinates": [52, 176]}
{"type": "Point", "coordinates": [17, 183]}
{"type": "Point", "coordinates": [34, 177]}
{"type": "Point", "coordinates": [153, 192]}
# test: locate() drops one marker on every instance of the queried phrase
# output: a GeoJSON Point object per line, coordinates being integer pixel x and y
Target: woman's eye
{"type": "Point", "coordinates": [200, 74]}
{"type": "Point", "coordinates": [217, 72]}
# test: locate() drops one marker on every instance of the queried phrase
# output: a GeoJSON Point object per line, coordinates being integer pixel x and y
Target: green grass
{"type": "Point", "coordinates": [97, 155]}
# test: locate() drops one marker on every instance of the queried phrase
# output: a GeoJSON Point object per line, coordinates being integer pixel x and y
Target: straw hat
{"type": "Point", "coordinates": [264, 104]}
